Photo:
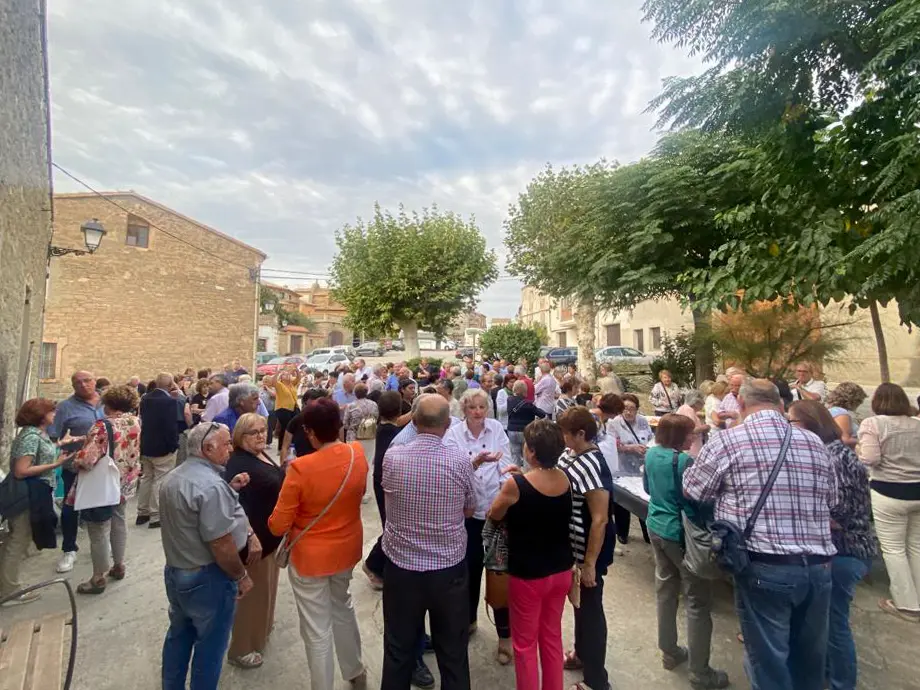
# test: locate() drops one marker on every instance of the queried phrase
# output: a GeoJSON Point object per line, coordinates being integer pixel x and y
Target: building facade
{"type": "Point", "coordinates": [163, 292]}
{"type": "Point", "coordinates": [314, 302]}
{"type": "Point", "coordinates": [463, 321]}
{"type": "Point", "coordinates": [25, 205]}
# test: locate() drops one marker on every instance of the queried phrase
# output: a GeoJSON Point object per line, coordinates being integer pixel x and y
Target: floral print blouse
{"type": "Point", "coordinates": [354, 413]}
{"type": "Point", "coordinates": [35, 442]}
{"type": "Point", "coordinates": [665, 399]}
{"type": "Point", "coordinates": [126, 431]}
{"type": "Point", "coordinates": [852, 534]}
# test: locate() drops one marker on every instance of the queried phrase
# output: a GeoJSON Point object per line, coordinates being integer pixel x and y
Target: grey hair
{"type": "Point", "coordinates": [470, 396]}
{"type": "Point", "coordinates": [222, 378]}
{"type": "Point", "coordinates": [519, 389]}
{"type": "Point", "coordinates": [759, 392]}
{"type": "Point", "coordinates": [693, 398]}
{"type": "Point", "coordinates": [520, 371]}
{"type": "Point", "coordinates": [197, 434]}
{"type": "Point", "coordinates": [241, 391]}
{"type": "Point", "coordinates": [455, 370]}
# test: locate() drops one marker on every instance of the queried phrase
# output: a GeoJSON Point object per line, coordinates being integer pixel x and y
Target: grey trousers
{"type": "Point", "coordinates": [517, 447]}
{"type": "Point", "coordinates": [107, 541]}
{"type": "Point", "coordinates": [670, 574]}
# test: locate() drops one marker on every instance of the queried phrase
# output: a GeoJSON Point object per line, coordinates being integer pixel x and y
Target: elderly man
{"type": "Point", "coordinates": [377, 380]}
{"type": "Point", "coordinates": [428, 489]}
{"type": "Point", "coordinates": [460, 384]}
{"type": "Point", "coordinates": [345, 395]}
{"type": "Point", "coordinates": [783, 597]}
{"type": "Point", "coordinates": [806, 386]}
{"type": "Point", "coordinates": [243, 398]}
{"type": "Point", "coordinates": [446, 390]}
{"type": "Point", "coordinates": [218, 397]}
{"type": "Point", "coordinates": [609, 382]}
{"type": "Point", "coordinates": [73, 418]}
{"type": "Point", "coordinates": [159, 443]}
{"type": "Point", "coordinates": [135, 381]}
{"type": "Point", "coordinates": [207, 541]}
{"type": "Point", "coordinates": [728, 413]}
{"type": "Point", "coordinates": [362, 370]}
{"type": "Point", "coordinates": [545, 390]}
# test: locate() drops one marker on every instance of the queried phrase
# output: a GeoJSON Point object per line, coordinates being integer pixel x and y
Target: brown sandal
{"type": "Point", "coordinates": [91, 586]}
{"type": "Point", "coordinates": [117, 572]}
{"type": "Point", "coordinates": [572, 662]}
{"type": "Point", "coordinates": [888, 606]}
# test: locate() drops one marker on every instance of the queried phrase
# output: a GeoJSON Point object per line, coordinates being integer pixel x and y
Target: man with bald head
{"type": "Point", "coordinates": [159, 443]}
{"type": "Point", "coordinates": [428, 488]}
{"type": "Point", "coordinates": [72, 419]}
{"type": "Point", "coordinates": [783, 596]}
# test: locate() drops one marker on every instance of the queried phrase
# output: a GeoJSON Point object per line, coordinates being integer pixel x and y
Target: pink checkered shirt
{"type": "Point", "coordinates": [733, 467]}
{"type": "Point", "coordinates": [428, 485]}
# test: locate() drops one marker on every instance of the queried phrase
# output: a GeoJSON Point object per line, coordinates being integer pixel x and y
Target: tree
{"type": "Point", "coordinates": [553, 245]}
{"type": "Point", "coordinates": [284, 317]}
{"type": "Point", "coordinates": [510, 342]}
{"type": "Point", "coordinates": [409, 271]}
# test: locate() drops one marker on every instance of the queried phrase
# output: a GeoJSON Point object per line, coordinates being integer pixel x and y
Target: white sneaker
{"type": "Point", "coordinates": [65, 565]}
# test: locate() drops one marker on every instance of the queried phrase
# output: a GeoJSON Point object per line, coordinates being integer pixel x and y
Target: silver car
{"type": "Point", "coordinates": [616, 354]}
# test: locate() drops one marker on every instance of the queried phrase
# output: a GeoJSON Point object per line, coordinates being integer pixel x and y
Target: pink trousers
{"type": "Point", "coordinates": [536, 624]}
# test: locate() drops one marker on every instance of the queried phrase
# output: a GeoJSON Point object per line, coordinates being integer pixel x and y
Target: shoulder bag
{"type": "Point", "coordinates": [698, 557]}
{"type": "Point", "coordinates": [100, 487]}
{"type": "Point", "coordinates": [283, 552]}
{"type": "Point", "coordinates": [729, 545]}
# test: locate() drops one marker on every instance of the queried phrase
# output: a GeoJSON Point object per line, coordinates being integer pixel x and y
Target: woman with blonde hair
{"type": "Point", "coordinates": [716, 392]}
{"type": "Point", "coordinates": [255, 613]}
{"type": "Point", "coordinates": [285, 387]}
{"type": "Point", "coordinates": [842, 403]}
{"type": "Point", "coordinates": [665, 396]}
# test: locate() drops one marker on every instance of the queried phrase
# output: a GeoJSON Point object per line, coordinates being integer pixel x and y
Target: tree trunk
{"type": "Point", "coordinates": [410, 338]}
{"type": "Point", "coordinates": [883, 369]}
{"type": "Point", "coordinates": [585, 317]}
{"type": "Point", "coordinates": [705, 359]}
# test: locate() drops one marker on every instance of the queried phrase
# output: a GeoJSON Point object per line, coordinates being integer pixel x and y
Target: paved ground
{"type": "Point", "coordinates": [121, 631]}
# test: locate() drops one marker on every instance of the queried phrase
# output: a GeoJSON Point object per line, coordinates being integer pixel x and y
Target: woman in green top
{"type": "Point", "coordinates": [665, 464]}
{"type": "Point", "coordinates": [33, 458]}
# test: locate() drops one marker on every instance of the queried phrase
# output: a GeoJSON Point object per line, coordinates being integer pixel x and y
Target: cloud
{"type": "Point", "coordinates": [279, 122]}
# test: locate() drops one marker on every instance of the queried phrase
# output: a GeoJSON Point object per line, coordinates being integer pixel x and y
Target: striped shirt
{"type": "Point", "coordinates": [731, 471]}
{"type": "Point", "coordinates": [427, 487]}
{"type": "Point", "coordinates": [587, 472]}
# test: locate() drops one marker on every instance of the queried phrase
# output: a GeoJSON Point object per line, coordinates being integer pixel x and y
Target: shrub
{"type": "Point", "coordinates": [415, 361]}
{"type": "Point", "coordinates": [510, 341]}
{"type": "Point", "coordinates": [678, 355]}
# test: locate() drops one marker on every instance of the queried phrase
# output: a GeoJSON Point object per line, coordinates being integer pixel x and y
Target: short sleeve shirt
{"type": "Point", "coordinates": [32, 441]}
{"type": "Point", "coordinates": [198, 506]}
{"type": "Point", "coordinates": [587, 472]}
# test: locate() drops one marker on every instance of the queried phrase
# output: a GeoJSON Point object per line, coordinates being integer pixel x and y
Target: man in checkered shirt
{"type": "Point", "coordinates": [783, 598]}
{"type": "Point", "coordinates": [429, 493]}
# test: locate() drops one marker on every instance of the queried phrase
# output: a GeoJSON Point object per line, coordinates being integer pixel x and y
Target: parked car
{"type": "Point", "coordinates": [346, 350]}
{"type": "Point", "coordinates": [449, 345]}
{"type": "Point", "coordinates": [326, 363]}
{"type": "Point", "coordinates": [265, 357]}
{"type": "Point", "coordinates": [371, 349]}
{"type": "Point", "coordinates": [273, 366]}
{"type": "Point", "coordinates": [545, 351]}
{"type": "Point", "coordinates": [562, 356]}
{"type": "Point", "coordinates": [616, 354]}
{"type": "Point", "coordinates": [465, 352]}
{"type": "Point", "coordinates": [398, 344]}
{"type": "Point", "coordinates": [320, 351]}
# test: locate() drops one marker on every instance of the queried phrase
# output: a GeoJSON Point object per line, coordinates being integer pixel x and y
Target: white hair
{"type": "Point", "coordinates": [471, 395]}
{"type": "Point", "coordinates": [520, 371]}
{"type": "Point", "coordinates": [197, 435]}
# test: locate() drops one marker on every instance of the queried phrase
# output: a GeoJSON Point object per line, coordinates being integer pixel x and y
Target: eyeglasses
{"type": "Point", "coordinates": [256, 432]}
{"type": "Point", "coordinates": [211, 428]}
{"type": "Point", "coordinates": [795, 421]}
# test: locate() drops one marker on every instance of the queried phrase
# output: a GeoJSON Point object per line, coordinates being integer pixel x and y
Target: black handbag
{"type": "Point", "coordinates": [729, 545]}
{"type": "Point", "coordinates": [14, 496]}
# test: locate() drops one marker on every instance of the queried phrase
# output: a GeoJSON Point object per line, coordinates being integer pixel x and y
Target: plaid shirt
{"type": "Point", "coordinates": [427, 485]}
{"type": "Point", "coordinates": [732, 469]}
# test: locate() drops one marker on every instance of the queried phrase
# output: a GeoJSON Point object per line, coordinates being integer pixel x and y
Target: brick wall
{"type": "Point", "coordinates": [25, 204]}
{"type": "Point", "coordinates": [129, 310]}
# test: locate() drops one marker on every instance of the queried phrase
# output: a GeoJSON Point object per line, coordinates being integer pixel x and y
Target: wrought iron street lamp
{"type": "Point", "coordinates": [93, 232]}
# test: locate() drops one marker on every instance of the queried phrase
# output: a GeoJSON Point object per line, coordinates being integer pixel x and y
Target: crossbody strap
{"type": "Point", "coordinates": [677, 482]}
{"type": "Point", "coordinates": [632, 431]}
{"type": "Point", "coordinates": [338, 493]}
{"type": "Point", "coordinates": [670, 404]}
{"type": "Point", "coordinates": [787, 439]}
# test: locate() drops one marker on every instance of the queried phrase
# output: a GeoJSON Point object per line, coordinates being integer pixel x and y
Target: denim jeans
{"type": "Point", "coordinates": [201, 607]}
{"type": "Point", "coordinates": [784, 611]}
{"type": "Point", "coordinates": [70, 518]}
{"type": "Point", "coordinates": [846, 572]}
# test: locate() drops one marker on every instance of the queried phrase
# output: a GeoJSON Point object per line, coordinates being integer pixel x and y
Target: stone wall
{"type": "Point", "coordinates": [25, 206]}
{"type": "Point", "coordinates": [129, 310]}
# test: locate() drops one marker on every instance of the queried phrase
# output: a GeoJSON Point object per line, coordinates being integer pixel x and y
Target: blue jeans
{"type": "Point", "coordinates": [846, 572]}
{"type": "Point", "coordinates": [784, 611]}
{"type": "Point", "coordinates": [201, 607]}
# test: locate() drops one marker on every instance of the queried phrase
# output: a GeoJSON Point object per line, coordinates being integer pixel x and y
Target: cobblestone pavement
{"type": "Point", "coordinates": [121, 631]}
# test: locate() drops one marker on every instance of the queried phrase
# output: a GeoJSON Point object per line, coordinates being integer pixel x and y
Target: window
{"type": "Point", "coordinates": [565, 311]}
{"type": "Point", "coordinates": [654, 335]}
{"type": "Point", "coordinates": [629, 352]}
{"type": "Point", "coordinates": [138, 233]}
{"type": "Point", "coordinates": [262, 345]}
{"type": "Point", "coordinates": [561, 337]}
{"type": "Point", "coordinates": [613, 334]}
{"type": "Point", "coordinates": [638, 339]}
{"type": "Point", "coordinates": [47, 368]}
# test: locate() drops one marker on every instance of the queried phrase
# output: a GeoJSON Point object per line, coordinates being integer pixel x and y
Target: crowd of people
{"type": "Point", "coordinates": [493, 472]}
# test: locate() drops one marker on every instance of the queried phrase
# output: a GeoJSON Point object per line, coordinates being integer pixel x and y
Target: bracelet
{"type": "Point", "coordinates": [242, 577]}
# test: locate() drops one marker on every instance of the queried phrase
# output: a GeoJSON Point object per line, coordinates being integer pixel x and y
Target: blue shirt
{"type": "Point", "coordinates": [76, 416]}
{"type": "Point", "coordinates": [392, 382]}
{"type": "Point", "coordinates": [228, 417]}
{"type": "Point", "coordinates": [343, 398]}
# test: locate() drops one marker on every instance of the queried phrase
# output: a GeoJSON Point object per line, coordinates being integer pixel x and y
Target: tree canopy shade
{"type": "Point", "coordinates": [409, 271]}
{"type": "Point", "coordinates": [511, 342]}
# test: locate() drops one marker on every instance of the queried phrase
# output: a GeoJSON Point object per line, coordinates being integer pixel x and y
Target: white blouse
{"type": "Point", "coordinates": [487, 480]}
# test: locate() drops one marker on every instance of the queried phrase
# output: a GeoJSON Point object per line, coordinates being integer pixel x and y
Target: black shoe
{"type": "Point", "coordinates": [421, 677]}
{"type": "Point", "coordinates": [154, 525]}
{"type": "Point", "coordinates": [622, 539]}
{"type": "Point", "coordinates": [142, 520]}
{"type": "Point", "coordinates": [429, 648]}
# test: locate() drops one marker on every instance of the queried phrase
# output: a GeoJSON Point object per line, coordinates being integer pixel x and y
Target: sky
{"type": "Point", "coordinates": [279, 121]}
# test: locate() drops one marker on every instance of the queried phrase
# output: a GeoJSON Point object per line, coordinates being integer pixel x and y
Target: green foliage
{"type": "Point", "coordinates": [678, 355]}
{"type": "Point", "coordinates": [510, 342]}
{"type": "Point", "coordinates": [635, 377]}
{"type": "Point", "coordinates": [421, 268]}
{"type": "Point", "coordinates": [542, 332]}
{"type": "Point", "coordinates": [268, 295]}
{"type": "Point", "coordinates": [415, 361]}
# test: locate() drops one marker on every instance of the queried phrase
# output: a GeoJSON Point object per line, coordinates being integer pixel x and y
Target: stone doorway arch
{"type": "Point", "coordinates": [335, 338]}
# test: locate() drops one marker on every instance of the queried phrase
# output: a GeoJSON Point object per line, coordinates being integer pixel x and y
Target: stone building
{"type": "Point", "coordinates": [162, 292]}
{"type": "Point", "coordinates": [463, 321]}
{"type": "Point", "coordinates": [329, 315]}
{"type": "Point", "coordinates": [25, 205]}
{"type": "Point", "coordinates": [314, 302]}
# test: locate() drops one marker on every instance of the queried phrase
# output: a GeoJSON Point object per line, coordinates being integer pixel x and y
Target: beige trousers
{"type": "Point", "coordinates": [255, 613]}
{"type": "Point", "coordinates": [13, 552]}
{"type": "Point", "coordinates": [148, 491]}
{"type": "Point", "coordinates": [897, 524]}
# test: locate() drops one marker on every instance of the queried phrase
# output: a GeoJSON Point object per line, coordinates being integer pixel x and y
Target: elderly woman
{"type": "Point", "coordinates": [320, 508]}
{"type": "Point", "coordinates": [33, 459]}
{"type": "Point", "coordinates": [633, 434]}
{"type": "Point", "coordinates": [355, 415]}
{"type": "Point", "coordinates": [566, 397]}
{"type": "Point", "coordinates": [889, 443]}
{"type": "Point", "coordinates": [244, 398]}
{"type": "Point", "coordinates": [842, 403]}
{"type": "Point", "coordinates": [851, 533]}
{"type": "Point", "coordinates": [118, 436]}
{"type": "Point", "coordinates": [255, 613]}
{"type": "Point", "coordinates": [486, 443]}
{"type": "Point", "coordinates": [521, 412]}
{"type": "Point", "coordinates": [501, 399]}
{"type": "Point", "coordinates": [693, 405]}
{"type": "Point", "coordinates": [285, 387]}
{"type": "Point", "coordinates": [665, 396]}
{"type": "Point", "coordinates": [711, 405]}
{"type": "Point", "coordinates": [545, 389]}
